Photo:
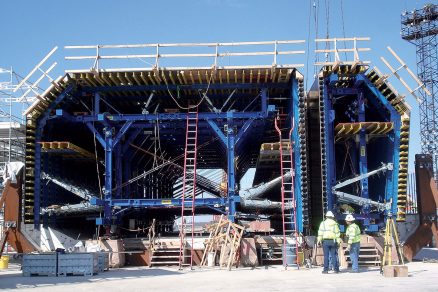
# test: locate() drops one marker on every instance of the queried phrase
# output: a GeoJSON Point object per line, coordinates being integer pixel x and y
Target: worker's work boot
{"type": "Point", "coordinates": [325, 272]}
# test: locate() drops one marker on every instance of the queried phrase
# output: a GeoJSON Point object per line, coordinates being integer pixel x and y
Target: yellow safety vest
{"type": "Point", "coordinates": [353, 233]}
{"type": "Point", "coordinates": [329, 229]}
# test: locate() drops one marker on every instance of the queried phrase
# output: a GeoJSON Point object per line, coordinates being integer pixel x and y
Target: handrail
{"type": "Point", "coordinates": [217, 51]}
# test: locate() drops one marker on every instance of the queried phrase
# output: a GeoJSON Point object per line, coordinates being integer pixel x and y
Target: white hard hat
{"type": "Point", "coordinates": [329, 214]}
{"type": "Point", "coordinates": [349, 218]}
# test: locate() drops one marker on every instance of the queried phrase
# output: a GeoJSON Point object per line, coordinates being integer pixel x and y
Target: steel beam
{"type": "Point", "coordinates": [363, 160]}
{"type": "Point", "coordinates": [122, 132]}
{"type": "Point", "coordinates": [244, 130]}
{"type": "Point", "coordinates": [218, 131]}
{"type": "Point", "coordinates": [118, 170]}
{"type": "Point", "coordinates": [96, 133]}
{"type": "Point", "coordinates": [180, 87]}
{"type": "Point", "coordinates": [232, 198]}
{"type": "Point", "coordinates": [330, 148]}
{"type": "Point", "coordinates": [295, 139]}
{"type": "Point", "coordinates": [168, 117]}
{"type": "Point", "coordinates": [96, 108]}
{"type": "Point", "coordinates": [165, 203]}
{"type": "Point", "coordinates": [108, 175]}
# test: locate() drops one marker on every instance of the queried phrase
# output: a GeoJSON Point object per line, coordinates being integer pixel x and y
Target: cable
{"type": "Point", "coordinates": [343, 28]}
{"type": "Point", "coordinates": [98, 180]}
{"type": "Point", "coordinates": [347, 150]}
{"type": "Point", "coordinates": [189, 107]}
{"type": "Point", "coordinates": [97, 166]}
{"type": "Point", "coordinates": [250, 103]}
{"type": "Point", "coordinates": [308, 44]}
{"type": "Point", "coordinates": [327, 34]}
{"type": "Point", "coordinates": [168, 162]}
{"type": "Point", "coordinates": [315, 19]}
{"type": "Point", "coordinates": [108, 104]}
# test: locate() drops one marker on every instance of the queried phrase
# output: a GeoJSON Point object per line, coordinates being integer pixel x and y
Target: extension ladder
{"type": "Point", "coordinates": [290, 248]}
{"type": "Point", "coordinates": [189, 185]}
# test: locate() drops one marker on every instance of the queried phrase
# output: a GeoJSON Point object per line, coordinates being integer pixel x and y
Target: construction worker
{"type": "Point", "coordinates": [329, 237]}
{"type": "Point", "coordinates": [353, 234]}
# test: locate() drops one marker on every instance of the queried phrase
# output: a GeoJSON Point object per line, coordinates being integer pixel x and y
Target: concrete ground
{"type": "Point", "coordinates": [422, 277]}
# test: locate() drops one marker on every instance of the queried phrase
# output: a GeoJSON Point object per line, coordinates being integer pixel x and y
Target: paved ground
{"type": "Point", "coordinates": [422, 277]}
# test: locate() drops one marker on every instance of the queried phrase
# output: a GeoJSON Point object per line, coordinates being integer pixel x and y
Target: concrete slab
{"type": "Point", "coordinates": [422, 277]}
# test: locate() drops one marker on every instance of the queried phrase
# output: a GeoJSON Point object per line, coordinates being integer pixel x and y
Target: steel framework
{"type": "Point", "coordinates": [119, 108]}
{"type": "Point", "coordinates": [12, 129]}
{"type": "Point", "coordinates": [420, 27]}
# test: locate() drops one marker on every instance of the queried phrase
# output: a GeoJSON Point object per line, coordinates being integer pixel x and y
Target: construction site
{"type": "Point", "coordinates": [175, 162]}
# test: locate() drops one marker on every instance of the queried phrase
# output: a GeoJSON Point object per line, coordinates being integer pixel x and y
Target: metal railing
{"type": "Point", "coordinates": [213, 51]}
{"type": "Point", "coordinates": [333, 50]}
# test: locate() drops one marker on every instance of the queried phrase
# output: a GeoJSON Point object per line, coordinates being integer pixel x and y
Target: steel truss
{"type": "Point", "coordinates": [420, 27]}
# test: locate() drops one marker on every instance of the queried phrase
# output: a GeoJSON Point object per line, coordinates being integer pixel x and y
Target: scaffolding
{"type": "Point", "coordinates": [12, 124]}
{"type": "Point", "coordinates": [420, 27]}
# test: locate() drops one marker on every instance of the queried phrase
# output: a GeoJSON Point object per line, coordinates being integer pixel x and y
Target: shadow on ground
{"type": "Point", "coordinates": [15, 280]}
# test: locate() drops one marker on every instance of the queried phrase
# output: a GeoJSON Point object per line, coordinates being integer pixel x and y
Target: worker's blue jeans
{"type": "Point", "coordinates": [354, 256]}
{"type": "Point", "coordinates": [330, 248]}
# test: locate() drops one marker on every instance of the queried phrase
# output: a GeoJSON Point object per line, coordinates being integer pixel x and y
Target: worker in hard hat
{"type": "Point", "coordinates": [353, 234]}
{"type": "Point", "coordinates": [329, 237]}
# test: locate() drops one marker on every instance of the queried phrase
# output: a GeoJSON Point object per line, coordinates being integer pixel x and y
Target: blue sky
{"type": "Point", "coordinates": [29, 29]}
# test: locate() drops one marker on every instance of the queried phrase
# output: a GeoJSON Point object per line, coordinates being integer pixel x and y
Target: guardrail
{"type": "Point", "coordinates": [157, 52]}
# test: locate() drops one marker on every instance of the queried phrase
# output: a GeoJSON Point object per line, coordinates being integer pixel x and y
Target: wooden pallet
{"type": "Point", "coordinates": [225, 238]}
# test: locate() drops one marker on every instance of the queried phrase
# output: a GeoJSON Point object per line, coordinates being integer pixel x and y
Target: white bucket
{"type": "Point", "coordinates": [210, 259]}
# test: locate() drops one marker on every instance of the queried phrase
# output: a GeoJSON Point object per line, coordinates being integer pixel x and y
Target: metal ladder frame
{"type": "Point", "coordinates": [293, 212]}
{"type": "Point", "coordinates": [190, 159]}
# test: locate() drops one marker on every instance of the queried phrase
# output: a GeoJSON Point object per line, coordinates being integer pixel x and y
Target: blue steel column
{"type": "Point", "coordinates": [363, 164]}
{"type": "Point", "coordinates": [295, 141]}
{"type": "Point", "coordinates": [330, 146]}
{"type": "Point", "coordinates": [231, 169]}
{"type": "Point", "coordinates": [119, 170]}
{"type": "Point", "coordinates": [392, 180]}
{"type": "Point", "coordinates": [108, 175]}
{"type": "Point", "coordinates": [264, 95]}
{"type": "Point", "coordinates": [96, 103]}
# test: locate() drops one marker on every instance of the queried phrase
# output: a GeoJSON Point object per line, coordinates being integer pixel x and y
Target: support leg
{"type": "Point", "coordinates": [108, 178]}
{"type": "Point", "coordinates": [231, 173]}
{"type": "Point", "coordinates": [119, 171]}
{"type": "Point", "coordinates": [363, 164]}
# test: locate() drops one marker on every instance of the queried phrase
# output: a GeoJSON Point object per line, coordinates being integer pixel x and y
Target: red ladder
{"type": "Point", "coordinates": [290, 249]}
{"type": "Point", "coordinates": [189, 183]}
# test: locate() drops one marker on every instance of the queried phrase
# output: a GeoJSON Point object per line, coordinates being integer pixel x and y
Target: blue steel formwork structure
{"type": "Point", "coordinates": [364, 127]}
{"type": "Point", "coordinates": [120, 115]}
